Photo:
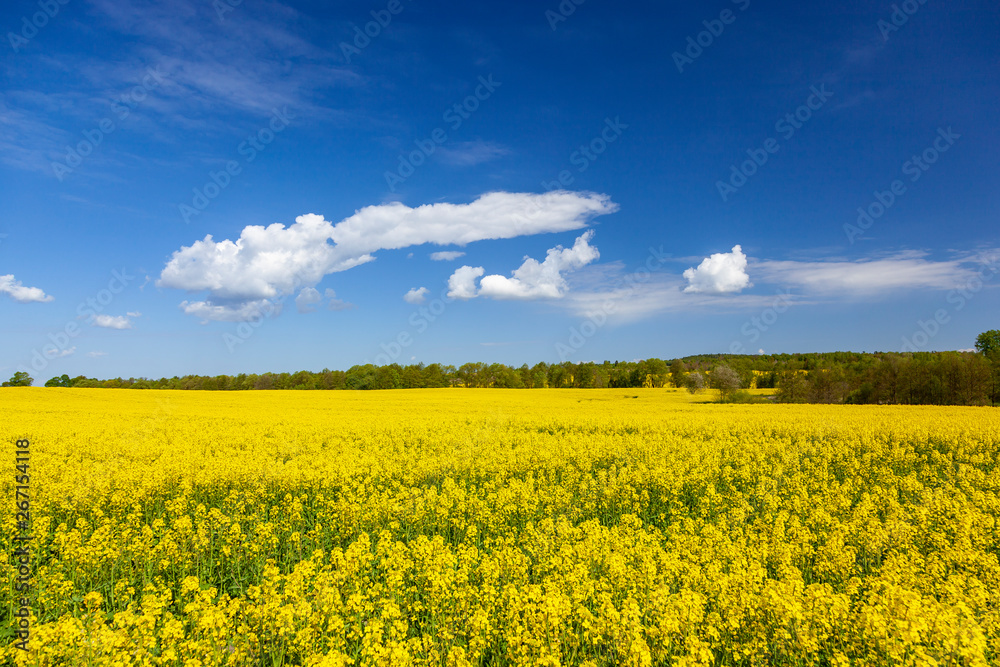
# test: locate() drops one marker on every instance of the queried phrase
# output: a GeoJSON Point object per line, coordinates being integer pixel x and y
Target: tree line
{"type": "Point", "coordinates": [938, 378]}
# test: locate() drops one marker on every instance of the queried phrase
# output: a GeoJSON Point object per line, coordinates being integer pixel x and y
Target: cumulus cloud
{"type": "Point", "coordinates": [64, 353]}
{"type": "Point", "coordinates": [532, 280]}
{"type": "Point", "coordinates": [722, 273]}
{"type": "Point", "coordinates": [462, 283]}
{"type": "Point", "coordinates": [446, 255]}
{"type": "Point", "coordinates": [264, 263]}
{"type": "Point", "coordinates": [15, 290]}
{"type": "Point", "coordinates": [541, 280]}
{"type": "Point", "coordinates": [267, 263]}
{"type": "Point", "coordinates": [416, 296]}
{"type": "Point", "coordinates": [310, 297]}
{"type": "Point", "coordinates": [335, 303]}
{"type": "Point", "coordinates": [113, 321]}
{"type": "Point", "coordinates": [307, 299]}
{"type": "Point", "coordinates": [239, 312]}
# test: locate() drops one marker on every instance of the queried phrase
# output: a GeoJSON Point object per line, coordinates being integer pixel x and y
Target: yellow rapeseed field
{"type": "Point", "coordinates": [492, 527]}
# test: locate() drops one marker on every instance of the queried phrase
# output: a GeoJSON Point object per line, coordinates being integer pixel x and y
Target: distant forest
{"type": "Point", "coordinates": [938, 378]}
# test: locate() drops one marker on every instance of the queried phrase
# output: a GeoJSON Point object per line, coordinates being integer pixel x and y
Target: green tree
{"type": "Point", "coordinates": [792, 388]}
{"type": "Point", "coordinates": [387, 377]}
{"type": "Point", "coordinates": [472, 373]}
{"type": "Point", "coordinates": [360, 377]}
{"type": "Point", "coordinates": [988, 345]}
{"type": "Point", "coordinates": [540, 375]}
{"type": "Point", "coordinates": [61, 381]}
{"type": "Point", "coordinates": [19, 379]}
{"type": "Point", "coordinates": [677, 371]}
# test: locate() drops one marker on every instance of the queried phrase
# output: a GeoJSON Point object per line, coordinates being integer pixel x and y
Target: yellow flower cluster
{"type": "Point", "coordinates": [546, 527]}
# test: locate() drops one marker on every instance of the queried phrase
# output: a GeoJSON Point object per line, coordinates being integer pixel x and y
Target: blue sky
{"type": "Point", "coordinates": [199, 187]}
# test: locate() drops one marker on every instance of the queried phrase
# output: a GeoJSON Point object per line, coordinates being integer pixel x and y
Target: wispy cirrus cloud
{"type": "Point", "coordinates": [226, 62]}
{"type": "Point", "coordinates": [801, 282]}
{"type": "Point", "coordinates": [212, 74]}
{"type": "Point", "coordinates": [872, 276]}
{"type": "Point", "coordinates": [471, 153]}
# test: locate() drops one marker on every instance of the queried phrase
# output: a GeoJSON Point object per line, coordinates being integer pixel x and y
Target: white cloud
{"type": "Point", "coordinates": [209, 69]}
{"type": "Point", "coordinates": [95, 354]}
{"type": "Point", "coordinates": [606, 291]}
{"type": "Point", "coordinates": [497, 215]}
{"type": "Point", "coordinates": [266, 263]}
{"type": "Point", "coordinates": [416, 295]}
{"type": "Point", "coordinates": [65, 353]}
{"type": "Point", "coordinates": [335, 303]}
{"type": "Point", "coordinates": [15, 290]}
{"type": "Point", "coordinates": [722, 273]}
{"type": "Point", "coordinates": [471, 153]}
{"type": "Point", "coordinates": [112, 321]}
{"type": "Point", "coordinates": [232, 312]}
{"type": "Point", "coordinates": [207, 80]}
{"type": "Point", "coordinates": [307, 299]}
{"type": "Point", "coordinates": [462, 283]}
{"type": "Point", "coordinates": [541, 280]}
{"type": "Point", "coordinates": [867, 276]}
{"type": "Point", "coordinates": [446, 255]}
{"type": "Point", "coordinates": [134, 314]}
{"type": "Point", "coordinates": [623, 298]}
